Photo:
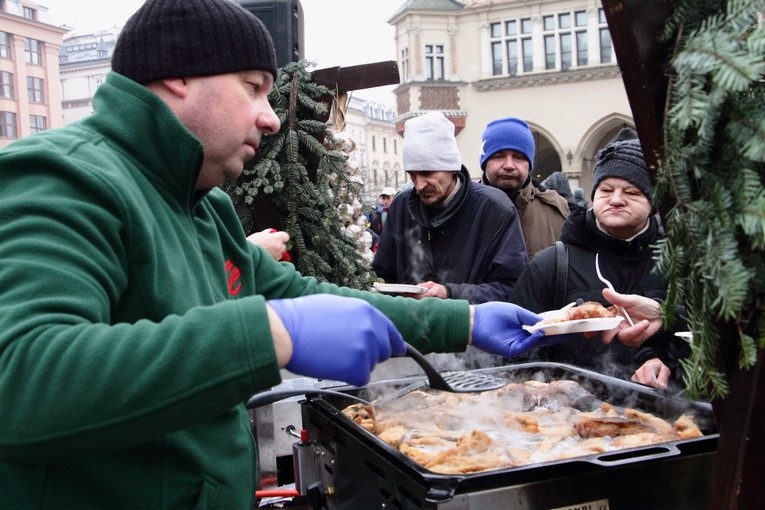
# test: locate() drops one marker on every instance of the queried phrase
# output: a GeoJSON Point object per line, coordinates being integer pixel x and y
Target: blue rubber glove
{"type": "Point", "coordinates": [498, 329]}
{"type": "Point", "coordinates": [336, 337]}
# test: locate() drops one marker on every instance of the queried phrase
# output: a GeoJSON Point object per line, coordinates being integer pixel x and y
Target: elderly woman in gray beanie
{"type": "Point", "coordinates": [622, 229]}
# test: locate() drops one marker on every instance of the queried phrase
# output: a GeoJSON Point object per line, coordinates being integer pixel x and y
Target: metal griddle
{"type": "Point", "coordinates": [349, 468]}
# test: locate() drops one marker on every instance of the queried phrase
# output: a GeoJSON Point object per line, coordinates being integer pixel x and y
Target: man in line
{"type": "Point", "coordinates": [507, 159]}
{"type": "Point", "coordinates": [620, 228]}
{"type": "Point", "coordinates": [558, 182]}
{"type": "Point", "coordinates": [136, 318]}
{"type": "Point", "coordinates": [459, 239]}
{"type": "Point", "coordinates": [380, 214]}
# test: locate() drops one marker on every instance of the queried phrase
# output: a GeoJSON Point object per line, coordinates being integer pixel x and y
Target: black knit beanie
{"type": "Point", "coordinates": [179, 38]}
{"type": "Point", "coordinates": [623, 158]}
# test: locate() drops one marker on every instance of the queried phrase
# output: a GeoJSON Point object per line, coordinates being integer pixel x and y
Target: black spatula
{"type": "Point", "coordinates": [455, 382]}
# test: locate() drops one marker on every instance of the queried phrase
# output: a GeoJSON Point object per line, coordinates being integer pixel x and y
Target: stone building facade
{"type": "Point", "coordinates": [549, 62]}
{"type": "Point", "coordinates": [30, 92]}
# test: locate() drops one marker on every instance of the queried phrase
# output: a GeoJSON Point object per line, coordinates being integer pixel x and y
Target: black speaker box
{"type": "Point", "coordinates": [284, 20]}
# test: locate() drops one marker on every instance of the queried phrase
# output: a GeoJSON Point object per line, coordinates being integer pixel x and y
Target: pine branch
{"type": "Point", "coordinates": [308, 205]}
{"type": "Point", "coordinates": [713, 170]}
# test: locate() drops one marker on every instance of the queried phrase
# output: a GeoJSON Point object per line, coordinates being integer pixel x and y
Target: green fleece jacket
{"type": "Point", "coordinates": [133, 323]}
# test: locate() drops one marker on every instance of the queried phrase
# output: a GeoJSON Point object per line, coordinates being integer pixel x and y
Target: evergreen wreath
{"type": "Point", "coordinates": [307, 204]}
{"type": "Point", "coordinates": [712, 174]}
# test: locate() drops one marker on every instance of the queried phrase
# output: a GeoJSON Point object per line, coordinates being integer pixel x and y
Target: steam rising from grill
{"type": "Point", "coordinates": [516, 425]}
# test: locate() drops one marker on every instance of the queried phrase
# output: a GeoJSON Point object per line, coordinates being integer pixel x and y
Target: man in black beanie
{"type": "Point", "coordinates": [135, 317]}
{"type": "Point", "coordinates": [622, 230]}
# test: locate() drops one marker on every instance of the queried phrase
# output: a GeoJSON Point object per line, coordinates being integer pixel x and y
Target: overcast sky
{"type": "Point", "coordinates": [337, 32]}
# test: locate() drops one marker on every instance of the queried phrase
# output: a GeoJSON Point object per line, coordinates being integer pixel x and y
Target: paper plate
{"type": "Point", "coordinates": [577, 326]}
{"type": "Point", "coordinates": [399, 288]}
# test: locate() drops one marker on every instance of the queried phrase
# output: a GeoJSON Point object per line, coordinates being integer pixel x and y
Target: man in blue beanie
{"type": "Point", "coordinates": [507, 158]}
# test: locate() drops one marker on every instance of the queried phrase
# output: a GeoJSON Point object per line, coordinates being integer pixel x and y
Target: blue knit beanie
{"type": "Point", "coordinates": [509, 133]}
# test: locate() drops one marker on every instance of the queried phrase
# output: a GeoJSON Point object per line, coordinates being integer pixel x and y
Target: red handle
{"type": "Point", "coordinates": [277, 493]}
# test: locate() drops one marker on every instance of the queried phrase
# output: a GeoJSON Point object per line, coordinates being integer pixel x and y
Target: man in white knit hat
{"type": "Point", "coordinates": [458, 238]}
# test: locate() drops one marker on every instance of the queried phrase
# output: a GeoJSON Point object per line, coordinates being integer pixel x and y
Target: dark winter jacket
{"type": "Point", "coordinates": [629, 267]}
{"type": "Point", "coordinates": [474, 247]}
{"type": "Point", "coordinates": [542, 213]}
{"type": "Point", "coordinates": [377, 219]}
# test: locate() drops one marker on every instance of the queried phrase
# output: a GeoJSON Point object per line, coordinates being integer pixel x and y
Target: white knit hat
{"type": "Point", "coordinates": [430, 145]}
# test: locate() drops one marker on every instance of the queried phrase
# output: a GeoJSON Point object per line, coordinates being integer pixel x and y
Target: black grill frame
{"type": "Point", "coordinates": [365, 472]}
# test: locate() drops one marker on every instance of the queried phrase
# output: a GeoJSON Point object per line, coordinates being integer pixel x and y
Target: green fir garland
{"type": "Point", "coordinates": [712, 174]}
{"type": "Point", "coordinates": [308, 206]}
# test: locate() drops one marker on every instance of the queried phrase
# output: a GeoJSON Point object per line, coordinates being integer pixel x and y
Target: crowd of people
{"type": "Point", "coordinates": [136, 316]}
{"type": "Point", "coordinates": [444, 233]}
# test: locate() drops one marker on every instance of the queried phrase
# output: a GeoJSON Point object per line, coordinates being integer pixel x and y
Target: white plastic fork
{"type": "Point", "coordinates": [608, 284]}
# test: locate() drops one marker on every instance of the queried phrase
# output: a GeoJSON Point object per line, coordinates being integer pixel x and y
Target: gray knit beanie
{"type": "Point", "coordinates": [179, 38]}
{"type": "Point", "coordinates": [623, 158]}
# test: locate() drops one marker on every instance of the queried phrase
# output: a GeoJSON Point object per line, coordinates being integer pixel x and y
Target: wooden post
{"type": "Point", "coordinates": [643, 62]}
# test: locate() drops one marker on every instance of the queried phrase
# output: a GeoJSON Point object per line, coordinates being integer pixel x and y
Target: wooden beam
{"type": "Point", "coordinates": [643, 61]}
{"type": "Point", "coordinates": [341, 80]}
{"type": "Point", "coordinates": [740, 417]}
{"type": "Point", "coordinates": [365, 76]}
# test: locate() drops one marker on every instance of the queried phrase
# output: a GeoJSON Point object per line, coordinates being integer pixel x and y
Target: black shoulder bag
{"type": "Point", "coordinates": [561, 273]}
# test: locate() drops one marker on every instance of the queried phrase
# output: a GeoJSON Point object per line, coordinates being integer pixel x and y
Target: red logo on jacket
{"type": "Point", "coordinates": [234, 278]}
